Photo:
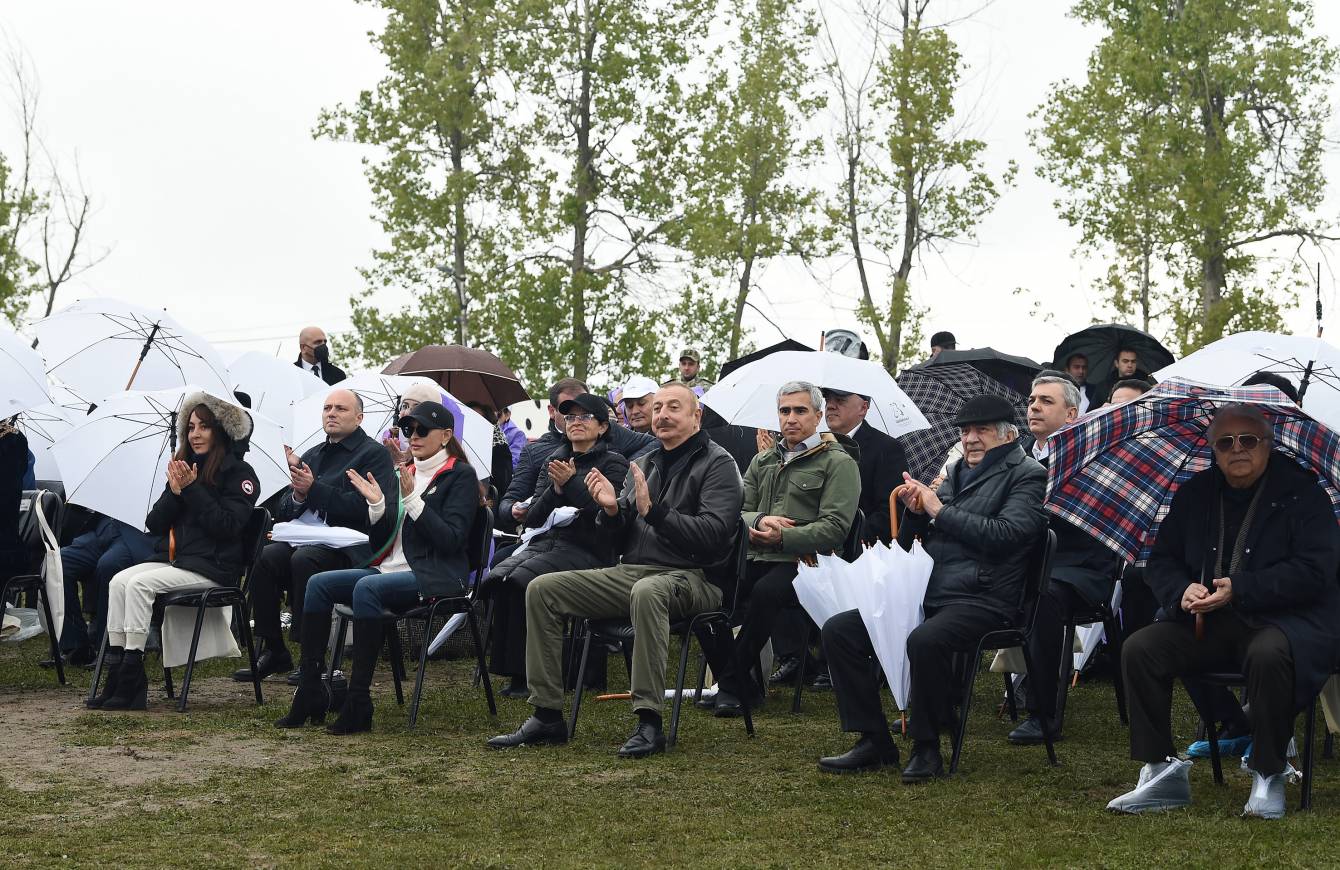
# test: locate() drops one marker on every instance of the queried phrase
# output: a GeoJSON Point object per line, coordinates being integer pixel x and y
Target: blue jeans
{"type": "Point", "coordinates": [367, 589]}
{"type": "Point", "coordinates": [93, 559]}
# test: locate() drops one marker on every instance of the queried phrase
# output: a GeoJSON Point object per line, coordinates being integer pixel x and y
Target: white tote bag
{"type": "Point", "coordinates": [52, 573]}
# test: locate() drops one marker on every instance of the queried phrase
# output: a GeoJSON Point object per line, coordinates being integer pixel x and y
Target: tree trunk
{"type": "Point", "coordinates": [741, 293]}
{"type": "Point", "coordinates": [854, 233]}
{"type": "Point", "coordinates": [459, 240]}
{"type": "Point", "coordinates": [584, 182]}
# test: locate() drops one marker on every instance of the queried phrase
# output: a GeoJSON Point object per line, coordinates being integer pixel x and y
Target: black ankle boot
{"type": "Point", "coordinates": [132, 686]}
{"type": "Point", "coordinates": [356, 714]}
{"type": "Point", "coordinates": [111, 667]}
{"type": "Point", "coordinates": [311, 699]}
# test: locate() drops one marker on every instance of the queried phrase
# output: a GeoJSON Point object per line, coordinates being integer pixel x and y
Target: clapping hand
{"type": "Point", "coordinates": [918, 497]}
{"type": "Point", "coordinates": [602, 491]}
{"type": "Point", "coordinates": [406, 481]}
{"type": "Point", "coordinates": [302, 478]}
{"type": "Point", "coordinates": [763, 439]}
{"type": "Point", "coordinates": [369, 488]}
{"type": "Point", "coordinates": [180, 475]}
{"type": "Point", "coordinates": [392, 444]}
{"type": "Point", "coordinates": [561, 472]}
{"type": "Point", "coordinates": [641, 492]}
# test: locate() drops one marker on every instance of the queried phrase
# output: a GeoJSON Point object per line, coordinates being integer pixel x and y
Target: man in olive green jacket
{"type": "Point", "coordinates": [800, 498]}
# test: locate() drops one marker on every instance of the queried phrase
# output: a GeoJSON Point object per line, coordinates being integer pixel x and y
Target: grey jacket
{"type": "Point", "coordinates": [694, 517]}
{"type": "Point", "coordinates": [983, 537]}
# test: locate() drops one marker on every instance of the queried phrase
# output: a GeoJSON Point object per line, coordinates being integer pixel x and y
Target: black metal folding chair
{"type": "Point", "coordinates": [1036, 578]}
{"type": "Point", "coordinates": [204, 598]}
{"type": "Point", "coordinates": [33, 582]}
{"type": "Point", "coordinates": [477, 550]}
{"type": "Point", "coordinates": [621, 631]}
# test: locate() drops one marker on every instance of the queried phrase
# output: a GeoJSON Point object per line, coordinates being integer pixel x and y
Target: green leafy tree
{"type": "Point", "coordinates": [744, 206]}
{"type": "Point", "coordinates": [1195, 139]}
{"type": "Point", "coordinates": [18, 272]}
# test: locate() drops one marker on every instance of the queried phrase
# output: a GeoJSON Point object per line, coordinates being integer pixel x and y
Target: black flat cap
{"type": "Point", "coordinates": [986, 408]}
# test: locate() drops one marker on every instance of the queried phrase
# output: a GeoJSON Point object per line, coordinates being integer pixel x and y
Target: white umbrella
{"type": "Point", "coordinates": [274, 385]}
{"type": "Point", "coordinates": [1297, 358]}
{"type": "Point", "coordinates": [42, 426]}
{"type": "Point", "coordinates": [105, 346]}
{"type": "Point", "coordinates": [898, 581]}
{"type": "Point", "coordinates": [748, 395]}
{"type": "Point", "coordinates": [114, 461]}
{"type": "Point", "coordinates": [23, 378]}
{"type": "Point", "coordinates": [381, 404]}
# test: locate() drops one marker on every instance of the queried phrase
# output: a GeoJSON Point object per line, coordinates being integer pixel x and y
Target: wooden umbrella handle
{"type": "Point", "coordinates": [893, 513]}
{"type": "Point", "coordinates": [1200, 626]}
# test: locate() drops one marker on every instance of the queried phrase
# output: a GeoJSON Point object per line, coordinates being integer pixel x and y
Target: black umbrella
{"type": "Point", "coordinates": [1100, 343]}
{"type": "Point", "coordinates": [784, 344]}
{"type": "Point", "coordinates": [1015, 372]}
{"type": "Point", "coordinates": [939, 392]}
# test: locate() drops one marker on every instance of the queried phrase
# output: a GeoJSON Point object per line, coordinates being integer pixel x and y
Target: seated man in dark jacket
{"type": "Point", "coordinates": [981, 527]}
{"type": "Point", "coordinates": [1250, 550]}
{"type": "Point", "coordinates": [674, 522]}
{"type": "Point", "coordinates": [321, 487]}
{"type": "Point", "coordinates": [1083, 573]}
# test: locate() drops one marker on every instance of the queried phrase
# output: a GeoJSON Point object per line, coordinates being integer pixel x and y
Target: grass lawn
{"type": "Point", "coordinates": [220, 785]}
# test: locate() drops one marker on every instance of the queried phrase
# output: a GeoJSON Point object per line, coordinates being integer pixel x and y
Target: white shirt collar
{"type": "Point", "coordinates": [1040, 450]}
{"type": "Point", "coordinates": [855, 429]}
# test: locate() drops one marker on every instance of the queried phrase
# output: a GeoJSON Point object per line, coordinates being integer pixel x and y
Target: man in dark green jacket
{"type": "Point", "coordinates": [800, 498]}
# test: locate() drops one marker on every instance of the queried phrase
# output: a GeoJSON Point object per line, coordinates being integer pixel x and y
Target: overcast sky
{"type": "Point", "coordinates": [191, 124]}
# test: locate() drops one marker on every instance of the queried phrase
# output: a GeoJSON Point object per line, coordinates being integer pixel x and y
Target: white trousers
{"type": "Point", "coordinates": [130, 599]}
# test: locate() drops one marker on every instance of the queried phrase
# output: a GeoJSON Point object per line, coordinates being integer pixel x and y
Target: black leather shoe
{"type": "Point", "coordinates": [728, 706]}
{"type": "Point", "coordinates": [295, 676]}
{"type": "Point", "coordinates": [786, 672]}
{"type": "Point", "coordinates": [268, 662]}
{"type": "Point", "coordinates": [647, 739]}
{"type": "Point", "coordinates": [924, 764]}
{"type": "Point", "coordinates": [532, 732]}
{"type": "Point", "coordinates": [865, 755]}
{"type": "Point", "coordinates": [1029, 733]}
{"type": "Point", "coordinates": [822, 683]}
{"type": "Point", "coordinates": [707, 702]}
{"type": "Point", "coordinates": [81, 657]}
{"type": "Point", "coordinates": [516, 689]}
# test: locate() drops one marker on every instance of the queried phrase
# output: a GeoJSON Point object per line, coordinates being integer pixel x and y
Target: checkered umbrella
{"type": "Point", "coordinates": [1114, 472]}
{"type": "Point", "coordinates": [939, 391]}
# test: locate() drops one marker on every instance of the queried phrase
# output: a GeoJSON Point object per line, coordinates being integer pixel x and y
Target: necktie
{"type": "Point", "coordinates": [316, 369]}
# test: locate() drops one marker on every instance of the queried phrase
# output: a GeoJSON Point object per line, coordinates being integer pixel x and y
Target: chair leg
{"type": "Point", "coordinates": [1011, 704]}
{"type": "Point", "coordinates": [397, 655]}
{"type": "Point", "coordinates": [1328, 747]}
{"type": "Point", "coordinates": [1047, 736]}
{"type": "Point", "coordinates": [1309, 737]}
{"type": "Point", "coordinates": [243, 616]}
{"type": "Point", "coordinates": [167, 684]}
{"type": "Point", "coordinates": [51, 635]}
{"type": "Point", "coordinates": [1213, 738]}
{"type": "Point", "coordinates": [800, 676]}
{"type": "Point", "coordinates": [679, 686]}
{"type": "Point", "coordinates": [478, 638]}
{"type": "Point", "coordinates": [97, 669]}
{"type": "Point", "coordinates": [423, 666]}
{"type": "Point", "coordinates": [970, 677]}
{"type": "Point", "coordinates": [702, 677]}
{"type": "Point", "coordinates": [1114, 639]}
{"type": "Point", "coordinates": [488, 627]}
{"type": "Point", "coordinates": [190, 662]}
{"type": "Point", "coordinates": [337, 654]}
{"type": "Point", "coordinates": [581, 678]}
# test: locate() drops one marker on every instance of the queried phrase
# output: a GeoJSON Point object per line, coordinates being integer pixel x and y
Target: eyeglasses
{"type": "Point", "coordinates": [578, 418]}
{"type": "Point", "coordinates": [1248, 441]}
{"type": "Point", "coordinates": [414, 430]}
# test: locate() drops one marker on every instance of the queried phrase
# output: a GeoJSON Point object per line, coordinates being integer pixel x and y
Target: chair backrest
{"type": "Point", "coordinates": [851, 548]}
{"type": "Point", "coordinates": [738, 563]}
{"type": "Point", "coordinates": [254, 540]}
{"type": "Point", "coordinates": [1037, 576]}
{"type": "Point", "coordinates": [52, 507]}
{"type": "Point", "coordinates": [480, 540]}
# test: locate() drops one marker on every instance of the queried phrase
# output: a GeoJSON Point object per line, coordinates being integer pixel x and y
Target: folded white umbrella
{"type": "Point", "coordinates": [748, 395]}
{"type": "Point", "coordinates": [1299, 359]}
{"type": "Point", "coordinates": [274, 385]}
{"type": "Point", "coordinates": [114, 461]}
{"type": "Point", "coordinates": [814, 589]}
{"type": "Point", "coordinates": [105, 346]}
{"type": "Point", "coordinates": [898, 581]}
{"type": "Point", "coordinates": [23, 378]}
{"type": "Point", "coordinates": [381, 405]}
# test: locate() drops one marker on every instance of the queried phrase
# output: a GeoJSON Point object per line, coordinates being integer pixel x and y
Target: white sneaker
{"type": "Point", "coordinates": [1267, 798]}
{"type": "Point", "coordinates": [1163, 786]}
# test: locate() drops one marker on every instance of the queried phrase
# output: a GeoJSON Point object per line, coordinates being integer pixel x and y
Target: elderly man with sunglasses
{"type": "Point", "coordinates": [1250, 549]}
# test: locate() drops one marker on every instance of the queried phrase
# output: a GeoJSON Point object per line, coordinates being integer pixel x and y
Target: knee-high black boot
{"type": "Point", "coordinates": [312, 697]}
{"type": "Point", "coordinates": [356, 714]}
{"type": "Point", "coordinates": [111, 668]}
{"type": "Point", "coordinates": [132, 686]}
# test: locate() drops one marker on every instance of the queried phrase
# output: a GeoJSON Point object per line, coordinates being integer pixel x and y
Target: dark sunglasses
{"type": "Point", "coordinates": [1224, 444]}
{"type": "Point", "coordinates": [412, 430]}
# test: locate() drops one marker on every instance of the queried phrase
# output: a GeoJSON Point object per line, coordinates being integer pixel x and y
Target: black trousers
{"type": "Point", "coordinates": [1138, 604]}
{"type": "Point", "coordinates": [1154, 656]}
{"type": "Point", "coordinates": [770, 592]}
{"type": "Point", "coordinates": [284, 568]}
{"type": "Point", "coordinates": [1047, 650]}
{"type": "Point", "coordinates": [855, 673]}
{"type": "Point", "coordinates": [791, 634]}
{"type": "Point", "coordinates": [930, 653]}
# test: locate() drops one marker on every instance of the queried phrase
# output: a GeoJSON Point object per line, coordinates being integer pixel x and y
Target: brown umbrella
{"type": "Point", "coordinates": [469, 374]}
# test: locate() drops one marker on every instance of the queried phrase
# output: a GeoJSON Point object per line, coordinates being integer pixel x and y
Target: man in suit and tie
{"type": "Point", "coordinates": [314, 356]}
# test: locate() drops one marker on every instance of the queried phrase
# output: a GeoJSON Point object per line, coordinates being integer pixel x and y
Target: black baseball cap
{"type": "Point", "coordinates": [588, 402]}
{"type": "Point", "coordinates": [987, 408]}
{"type": "Point", "coordinates": [840, 394]}
{"type": "Point", "coordinates": [429, 414]}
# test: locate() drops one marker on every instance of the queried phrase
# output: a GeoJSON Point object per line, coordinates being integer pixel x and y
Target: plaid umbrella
{"type": "Point", "coordinates": [1114, 472]}
{"type": "Point", "coordinates": [938, 392]}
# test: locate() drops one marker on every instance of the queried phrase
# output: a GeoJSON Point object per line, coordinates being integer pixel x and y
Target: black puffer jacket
{"type": "Point", "coordinates": [582, 530]}
{"type": "Point", "coordinates": [985, 534]}
{"type": "Point", "coordinates": [207, 522]}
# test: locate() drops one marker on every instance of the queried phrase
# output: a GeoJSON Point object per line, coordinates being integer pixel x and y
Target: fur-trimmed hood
{"type": "Point", "coordinates": [236, 422]}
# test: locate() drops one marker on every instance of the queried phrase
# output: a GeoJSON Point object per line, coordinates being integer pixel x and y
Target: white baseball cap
{"type": "Point", "coordinates": [639, 386]}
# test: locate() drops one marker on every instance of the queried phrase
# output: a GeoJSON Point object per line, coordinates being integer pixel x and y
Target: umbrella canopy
{"type": "Point", "coordinates": [1015, 372]}
{"type": "Point", "coordinates": [22, 375]}
{"type": "Point", "coordinates": [114, 460]}
{"type": "Point", "coordinates": [939, 391]}
{"type": "Point", "coordinates": [1099, 344]}
{"type": "Point", "coordinates": [469, 374]}
{"type": "Point", "coordinates": [1235, 358]}
{"type": "Point", "coordinates": [784, 344]}
{"type": "Point", "coordinates": [98, 345]}
{"type": "Point", "coordinates": [748, 395]}
{"type": "Point", "coordinates": [274, 386]}
{"type": "Point", "coordinates": [381, 405]}
{"type": "Point", "coordinates": [1114, 472]}
{"type": "Point", "coordinates": [45, 424]}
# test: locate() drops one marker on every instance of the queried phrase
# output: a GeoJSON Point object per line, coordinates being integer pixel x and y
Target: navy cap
{"type": "Point", "coordinates": [431, 415]}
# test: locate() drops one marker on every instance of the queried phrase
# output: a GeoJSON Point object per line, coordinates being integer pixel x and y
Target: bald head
{"type": "Point", "coordinates": [308, 341]}
{"type": "Point", "coordinates": [341, 414]}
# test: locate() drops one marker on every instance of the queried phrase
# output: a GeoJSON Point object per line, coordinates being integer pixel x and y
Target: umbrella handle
{"type": "Point", "coordinates": [893, 514]}
{"type": "Point", "coordinates": [149, 342]}
{"type": "Point", "coordinates": [1200, 626]}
